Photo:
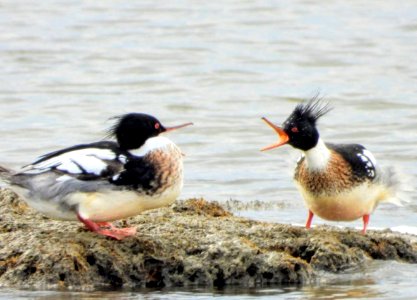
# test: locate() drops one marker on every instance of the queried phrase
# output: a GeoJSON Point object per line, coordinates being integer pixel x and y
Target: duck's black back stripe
{"type": "Point", "coordinates": [99, 145]}
{"type": "Point", "coordinates": [362, 166]}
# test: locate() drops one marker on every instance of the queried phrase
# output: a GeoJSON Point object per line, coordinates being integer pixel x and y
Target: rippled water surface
{"type": "Point", "coordinates": [68, 66]}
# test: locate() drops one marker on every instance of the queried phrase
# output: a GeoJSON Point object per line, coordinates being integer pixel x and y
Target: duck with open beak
{"type": "Point", "coordinates": [339, 182]}
{"type": "Point", "coordinates": [283, 138]}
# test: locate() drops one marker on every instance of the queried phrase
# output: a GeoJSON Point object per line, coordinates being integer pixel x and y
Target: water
{"type": "Point", "coordinates": [67, 66]}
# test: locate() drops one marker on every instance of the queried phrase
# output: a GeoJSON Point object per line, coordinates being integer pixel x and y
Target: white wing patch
{"type": "Point", "coordinates": [122, 158]}
{"type": "Point", "coordinates": [369, 161]}
{"type": "Point", "coordinates": [89, 160]}
{"type": "Point", "coordinates": [370, 156]}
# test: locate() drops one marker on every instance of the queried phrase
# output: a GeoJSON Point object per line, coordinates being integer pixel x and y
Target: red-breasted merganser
{"type": "Point", "coordinates": [339, 182]}
{"type": "Point", "coordinates": [103, 181]}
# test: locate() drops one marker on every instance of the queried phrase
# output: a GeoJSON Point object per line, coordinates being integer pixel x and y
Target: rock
{"type": "Point", "coordinates": [192, 243]}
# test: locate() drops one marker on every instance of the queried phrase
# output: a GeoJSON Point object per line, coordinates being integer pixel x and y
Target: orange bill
{"type": "Point", "coordinates": [177, 127]}
{"type": "Point", "coordinates": [283, 137]}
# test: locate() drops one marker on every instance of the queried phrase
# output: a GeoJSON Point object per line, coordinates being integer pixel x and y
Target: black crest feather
{"type": "Point", "coordinates": [311, 110]}
{"type": "Point", "coordinates": [111, 131]}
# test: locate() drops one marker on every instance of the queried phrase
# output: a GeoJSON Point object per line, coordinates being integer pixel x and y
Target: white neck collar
{"type": "Point", "coordinates": [151, 144]}
{"type": "Point", "coordinates": [318, 156]}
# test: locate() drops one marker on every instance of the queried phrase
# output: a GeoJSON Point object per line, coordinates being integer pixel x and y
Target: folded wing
{"type": "Point", "coordinates": [86, 162]}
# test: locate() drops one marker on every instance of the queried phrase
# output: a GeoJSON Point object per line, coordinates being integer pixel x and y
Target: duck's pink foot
{"type": "Point", "coordinates": [309, 219]}
{"type": "Point", "coordinates": [107, 229]}
{"type": "Point", "coordinates": [117, 233]}
{"type": "Point", "coordinates": [107, 225]}
{"type": "Point", "coordinates": [365, 219]}
{"type": "Point", "coordinates": [124, 232]}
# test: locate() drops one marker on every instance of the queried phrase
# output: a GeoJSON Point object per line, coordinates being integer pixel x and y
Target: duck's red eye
{"type": "Point", "coordinates": [294, 129]}
{"type": "Point", "coordinates": [157, 125]}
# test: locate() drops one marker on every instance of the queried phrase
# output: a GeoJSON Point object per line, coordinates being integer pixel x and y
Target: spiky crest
{"type": "Point", "coordinates": [311, 111]}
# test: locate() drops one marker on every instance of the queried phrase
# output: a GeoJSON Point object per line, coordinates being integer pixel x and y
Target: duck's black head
{"type": "Point", "coordinates": [133, 129]}
{"type": "Point", "coordinates": [299, 130]}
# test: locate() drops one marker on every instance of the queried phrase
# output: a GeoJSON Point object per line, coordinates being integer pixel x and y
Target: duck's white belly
{"type": "Point", "coordinates": [101, 206]}
{"type": "Point", "coordinates": [115, 205]}
{"type": "Point", "coordinates": [345, 206]}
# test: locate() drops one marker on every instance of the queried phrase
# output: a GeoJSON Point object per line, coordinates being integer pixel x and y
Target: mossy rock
{"type": "Point", "coordinates": [192, 243]}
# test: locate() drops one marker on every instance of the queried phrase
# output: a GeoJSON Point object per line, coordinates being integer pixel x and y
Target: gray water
{"type": "Point", "coordinates": [68, 66]}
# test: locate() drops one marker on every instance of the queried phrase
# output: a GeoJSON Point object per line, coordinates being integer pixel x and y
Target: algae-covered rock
{"type": "Point", "coordinates": [192, 243]}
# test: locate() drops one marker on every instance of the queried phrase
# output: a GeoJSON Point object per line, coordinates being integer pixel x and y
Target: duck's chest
{"type": "Point", "coordinates": [168, 169]}
{"type": "Point", "coordinates": [335, 177]}
{"type": "Point", "coordinates": [153, 173]}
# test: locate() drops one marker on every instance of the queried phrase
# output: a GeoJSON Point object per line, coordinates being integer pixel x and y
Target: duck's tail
{"type": "Point", "coordinates": [5, 174]}
{"type": "Point", "coordinates": [396, 184]}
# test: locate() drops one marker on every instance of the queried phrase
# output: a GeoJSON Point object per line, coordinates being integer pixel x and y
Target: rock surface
{"type": "Point", "coordinates": [192, 243]}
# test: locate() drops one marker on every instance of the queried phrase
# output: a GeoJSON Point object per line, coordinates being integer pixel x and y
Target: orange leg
{"type": "Point", "coordinates": [365, 219]}
{"type": "Point", "coordinates": [107, 229]}
{"type": "Point", "coordinates": [309, 219]}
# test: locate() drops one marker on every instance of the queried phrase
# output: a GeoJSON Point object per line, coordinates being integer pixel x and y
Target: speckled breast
{"type": "Point", "coordinates": [337, 177]}
{"type": "Point", "coordinates": [168, 167]}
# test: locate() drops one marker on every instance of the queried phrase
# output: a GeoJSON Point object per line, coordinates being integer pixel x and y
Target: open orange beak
{"type": "Point", "coordinates": [177, 127]}
{"type": "Point", "coordinates": [283, 137]}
